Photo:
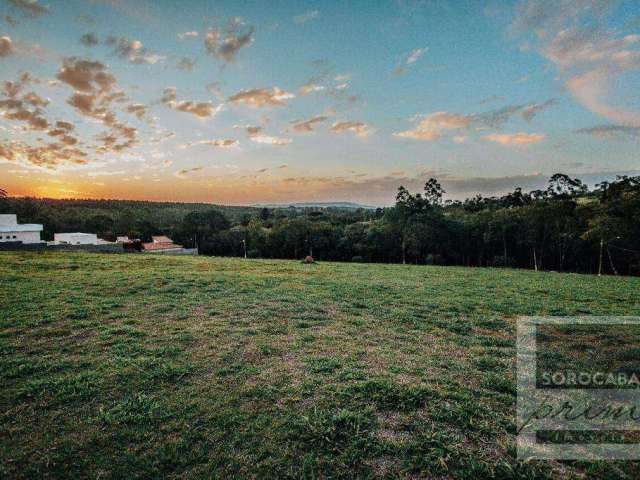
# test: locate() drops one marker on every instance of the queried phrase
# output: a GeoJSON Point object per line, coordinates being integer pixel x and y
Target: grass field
{"type": "Point", "coordinates": [134, 366]}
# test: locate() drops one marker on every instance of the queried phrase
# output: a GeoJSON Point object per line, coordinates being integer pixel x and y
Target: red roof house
{"type": "Point", "coordinates": [160, 244]}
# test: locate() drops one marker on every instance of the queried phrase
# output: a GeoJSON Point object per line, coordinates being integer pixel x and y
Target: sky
{"type": "Point", "coordinates": [247, 102]}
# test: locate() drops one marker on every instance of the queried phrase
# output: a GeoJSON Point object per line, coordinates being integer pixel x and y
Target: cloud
{"type": "Point", "coordinates": [49, 156]}
{"type": "Point", "coordinates": [185, 172]}
{"type": "Point", "coordinates": [226, 143]}
{"type": "Point", "coordinates": [270, 140]}
{"type": "Point", "coordinates": [132, 50]}
{"type": "Point", "coordinates": [214, 87]}
{"type": "Point", "coordinates": [225, 43]}
{"type": "Point", "coordinates": [33, 118]}
{"type": "Point", "coordinates": [89, 104]}
{"type": "Point", "coordinates": [61, 128]}
{"type": "Point", "coordinates": [186, 64]}
{"type": "Point", "coordinates": [359, 128]}
{"type": "Point", "coordinates": [10, 20]}
{"type": "Point", "coordinates": [415, 55]}
{"type": "Point", "coordinates": [308, 88]}
{"type": "Point", "coordinates": [612, 131]}
{"type": "Point", "coordinates": [305, 17]}
{"type": "Point", "coordinates": [138, 109]}
{"type": "Point", "coordinates": [515, 139]}
{"type": "Point", "coordinates": [544, 15]}
{"type": "Point", "coordinates": [30, 7]}
{"type": "Point", "coordinates": [199, 109]}
{"type": "Point", "coordinates": [576, 38]}
{"type": "Point", "coordinates": [261, 97]}
{"type": "Point", "coordinates": [27, 108]}
{"type": "Point", "coordinates": [106, 174]}
{"type": "Point", "coordinates": [250, 130]}
{"type": "Point", "coordinates": [191, 34]}
{"type": "Point", "coordinates": [94, 93]}
{"type": "Point", "coordinates": [6, 46]}
{"type": "Point", "coordinates": [591, 90]}
{"type": "Point", "coordinates": [432, 127]}
{"type": "Point", "coordinates": [124, 134]}
{"type": "Point", "coordinates": [411, 58]}
{"type": "Point", "coordinates": [498, 117]}
{"type": "Point", "coordinates": [12, 89]}
{"type": "Point", "coordinates": [86, 75]}
{"type": "Point", "coordinates": [306, 126]}
{"type": "Point", "coordinates": [529, 112]}
{"type": "Point", "coordinates": [89, 40]}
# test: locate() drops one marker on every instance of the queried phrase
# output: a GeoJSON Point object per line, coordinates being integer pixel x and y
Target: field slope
{"type": "Point", "coordinates": [134, 366]}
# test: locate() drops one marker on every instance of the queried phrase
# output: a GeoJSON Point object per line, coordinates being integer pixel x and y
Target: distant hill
{"type": "Point", "coordinates": [346, 205]}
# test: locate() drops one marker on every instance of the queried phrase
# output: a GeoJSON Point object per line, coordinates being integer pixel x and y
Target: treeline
{"type": "Point", "coordinates": [565, 227]}
{"type": "Point", "coordinates": [110, 218]}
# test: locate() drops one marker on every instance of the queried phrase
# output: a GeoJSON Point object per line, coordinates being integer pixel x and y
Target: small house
{"type": "Point", "coordinates": [161, 244]}
{"type": "Point", "coordinates": [77, 238]}
{"type": "Point", "coordinates": [12, 231]}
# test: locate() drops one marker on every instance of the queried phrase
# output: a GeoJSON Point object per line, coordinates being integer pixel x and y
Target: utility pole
{"type": "Point", "coordinates": [600, 260]}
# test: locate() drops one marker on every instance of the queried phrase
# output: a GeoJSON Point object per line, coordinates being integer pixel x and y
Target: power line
{"type": "Point", "coordinates": [625, 249]}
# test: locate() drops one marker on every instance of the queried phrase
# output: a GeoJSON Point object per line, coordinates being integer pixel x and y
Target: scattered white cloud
{"type": "Point", "coordinates": [199, 109]}
{"type": "Point", "coordinates": [184, 173]}
{"type": "Point", "coordinates": [590, 56]}
{"type": "Point", "coordinates": [432, 127]}
{"type": "Point", "coordinates": [261, 97]}
{"type": "Point", "coordinates": [410, 59]}
{"type": "Point", "coordinates": [360, 129]}
{"type": "Point", "coordinates": [308, 88]}
{"type": "Point", "coordinates": [270, 140]}
{"type": "Point", "coordinates": [6, 46]}
{"type": "Point", "coordinates": [31, 8]}
{"type": "Point", "coordinates": [191, 34]}
{"type": "Point", "coordinates": [305, 17]}
{"type": "Point", "coordinates": [618, 132]}
{"type": "Point", "coordinates": [520, 139]}
{"type": "Point", "coordinates": [307, 126]}
{"type": "Point", "coordinates": [436, 125]}
{"type": "Point", "coordinates": [225, 43]}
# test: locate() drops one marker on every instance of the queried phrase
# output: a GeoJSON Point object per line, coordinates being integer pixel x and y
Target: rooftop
{"type": "Point", "coordinates": [25, 227]}
{"type": "Point", "coordinates": [9, 223]}
{"type": "Point", "coordinates": [161, 239]}
{"type": "Point", "coordinates": [161, 246]}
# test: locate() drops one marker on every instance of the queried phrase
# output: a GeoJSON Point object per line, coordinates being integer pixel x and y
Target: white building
{"type": "Point", "coordinates": [12, 231]}
{"type": "Point", "coordinates": [75, 239]}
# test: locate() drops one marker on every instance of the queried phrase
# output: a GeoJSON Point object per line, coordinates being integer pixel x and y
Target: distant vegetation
{"type": "Point", "coordinates": [566, 227]}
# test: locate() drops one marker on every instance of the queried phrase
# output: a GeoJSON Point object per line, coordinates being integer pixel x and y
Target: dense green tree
{"type": "Point", "coordinates": [564, 226]}
{"type": "Point", "coordinates": [202, 226]}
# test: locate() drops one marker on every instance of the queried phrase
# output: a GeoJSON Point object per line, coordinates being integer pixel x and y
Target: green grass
{"type": "Point", "coordinates": [134, 366]}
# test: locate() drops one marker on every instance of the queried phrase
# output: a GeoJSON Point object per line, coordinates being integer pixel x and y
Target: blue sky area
{"type": "Point", "coordinates": [264, 101]}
